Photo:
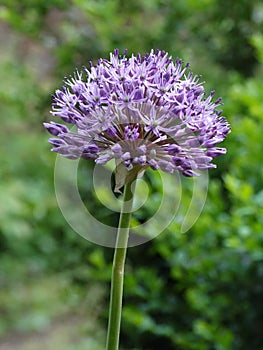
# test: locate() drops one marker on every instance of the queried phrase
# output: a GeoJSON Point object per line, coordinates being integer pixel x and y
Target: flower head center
{"type": "Point", "coordinates": [131, 132]}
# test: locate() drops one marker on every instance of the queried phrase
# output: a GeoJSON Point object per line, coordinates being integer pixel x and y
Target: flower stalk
{"type": "Point", "coordinates": [118, 269]}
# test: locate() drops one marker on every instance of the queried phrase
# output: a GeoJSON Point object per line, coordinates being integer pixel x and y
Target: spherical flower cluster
{"type": "Point", "coordinates": [143, 111]}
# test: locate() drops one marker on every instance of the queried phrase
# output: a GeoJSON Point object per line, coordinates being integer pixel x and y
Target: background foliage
{"type": "Point", "coordinates": [193, 291]}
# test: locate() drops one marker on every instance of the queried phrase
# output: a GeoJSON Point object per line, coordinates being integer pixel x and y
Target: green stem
{"type": "Point", "coordinates": [118, 270]}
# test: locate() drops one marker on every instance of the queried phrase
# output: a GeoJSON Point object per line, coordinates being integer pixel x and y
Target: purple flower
{"type": "Point", "coordinates": [143, 111]}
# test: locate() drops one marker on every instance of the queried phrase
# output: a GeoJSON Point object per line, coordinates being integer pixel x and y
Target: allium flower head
{"type": "Point", "coordinates": [142, 111]}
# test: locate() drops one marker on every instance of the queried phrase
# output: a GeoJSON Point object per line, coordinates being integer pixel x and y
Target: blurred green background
{"type": "Point", "coordinates": [202, 290]}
